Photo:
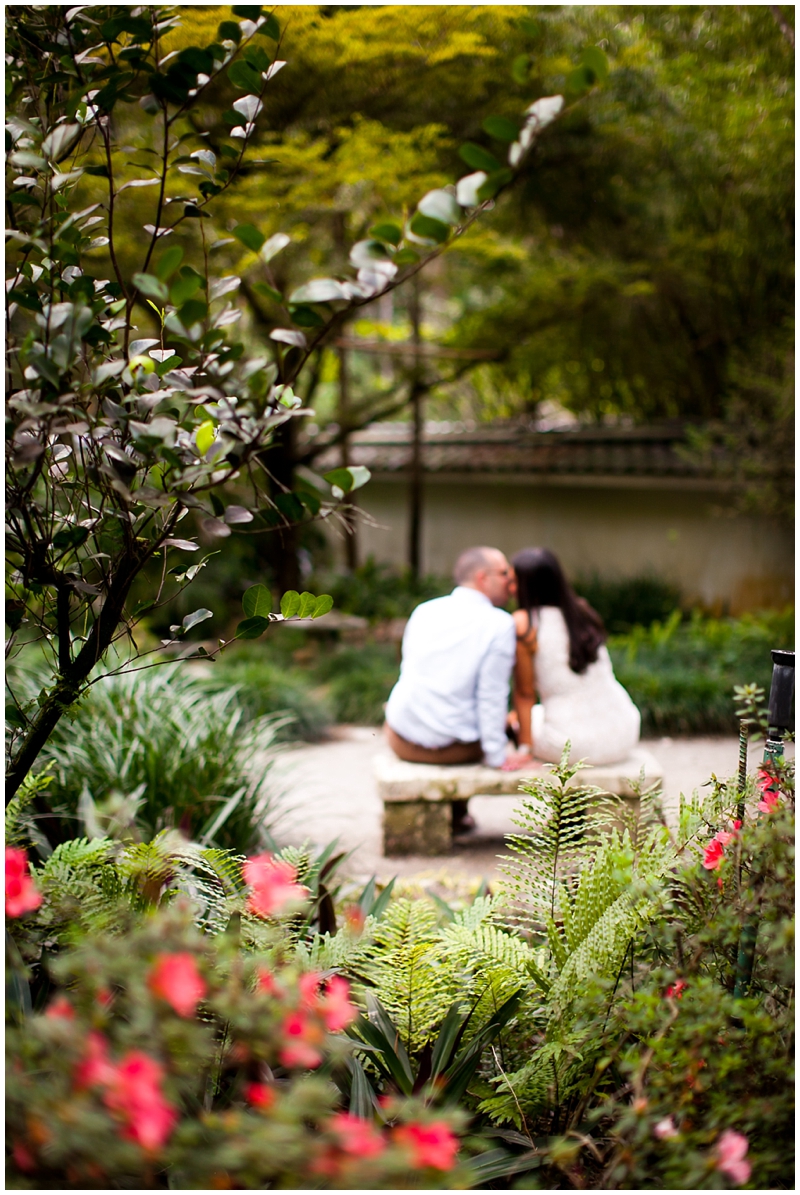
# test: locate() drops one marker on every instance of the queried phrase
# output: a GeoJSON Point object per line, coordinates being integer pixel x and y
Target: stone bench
{"type": "Point", "coordinates": [417, 797]}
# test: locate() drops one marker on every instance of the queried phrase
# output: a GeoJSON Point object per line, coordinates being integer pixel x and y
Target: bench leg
{"type": "Point", "coordinates": [417, 827]}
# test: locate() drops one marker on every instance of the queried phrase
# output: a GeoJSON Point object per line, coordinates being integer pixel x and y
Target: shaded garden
{"type": "Point", "coordinates": [201, 202]}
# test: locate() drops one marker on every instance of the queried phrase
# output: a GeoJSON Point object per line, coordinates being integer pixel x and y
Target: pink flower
{"type": "Point", "coordinates": [60, 1009]}
{"type": "Point", "coordinates": [713, 855]}
{"type": "Point", "coordinates": [135, 1094]}
{"type": "Point", "coordinates": [303, 1039]}
{"type": "Point", "coordinates": [731, 1149]}
{"type": "Point", "coordinates": [357, 1136]}
{"type": "Point", "coordinates": [309, 985]}
{"type": "Point", "coordinates": [21, 895]}
{"type": "Point", "coordinates": [266, 982]}
{"type": "Point", "coordinates": [175, 978]}
{"type": "Point", "coordinates": [675, 990]}
{"type": "Point", "coordinates": [96, 1069]}
{"type": "Point", "coordinates": [337, 1011]}
{"type": "Point", "coordinates": [771, 800]}
{"type": "Point", "coordinates": [431, 1144]}
{"type": "Point", "coordinates": [260, 1095]}
{"type": "Point", "coordinates": [273, 884]}
{"type": "Point", "coordinates": [665, 1129]}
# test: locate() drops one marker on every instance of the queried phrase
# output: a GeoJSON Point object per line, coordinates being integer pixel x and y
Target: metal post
{"type": "Point", "coordinates": [781, 719]}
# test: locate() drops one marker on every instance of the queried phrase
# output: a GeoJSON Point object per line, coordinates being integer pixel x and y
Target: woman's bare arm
{"type": "Point", "coordinates": [524, 680]}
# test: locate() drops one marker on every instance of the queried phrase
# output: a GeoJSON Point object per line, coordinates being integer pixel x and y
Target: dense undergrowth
{"type": "Point", "coordinates": [177, 1020]}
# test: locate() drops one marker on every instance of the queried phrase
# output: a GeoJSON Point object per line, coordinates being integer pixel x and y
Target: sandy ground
{"type": "Point", "coordinates": [328, 791]}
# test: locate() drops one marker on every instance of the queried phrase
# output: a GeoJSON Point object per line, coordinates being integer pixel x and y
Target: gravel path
{"type": "Point", "coordinates": [328, 791]}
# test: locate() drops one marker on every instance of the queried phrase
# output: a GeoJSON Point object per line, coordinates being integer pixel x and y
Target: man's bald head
{"type": "Point", "coordinates": [487, 570]}
{"type": "Point", "coordinates": [471, 561]}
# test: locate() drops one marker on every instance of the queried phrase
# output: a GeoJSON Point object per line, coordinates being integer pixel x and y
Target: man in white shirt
{"type": "Point", "coordinates": [450, 704]}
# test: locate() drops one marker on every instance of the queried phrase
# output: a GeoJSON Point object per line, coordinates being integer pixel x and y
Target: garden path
{"type": "Point", "coordinates": [328, 790]}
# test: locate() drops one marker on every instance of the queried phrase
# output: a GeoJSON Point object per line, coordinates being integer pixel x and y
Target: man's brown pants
{"type": "Point", "coordinates": [453, 753]}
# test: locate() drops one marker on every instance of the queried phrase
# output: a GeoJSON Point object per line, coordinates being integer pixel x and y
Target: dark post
{"type": "Point", "coordinates": [417, 415]}
{"type": "Point", "coordinates": [781, 719]}
{"type": "Point", "coordinates": [351, 541]}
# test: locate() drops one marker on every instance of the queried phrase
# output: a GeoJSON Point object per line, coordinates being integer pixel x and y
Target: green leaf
{"type": "Point", "coordinates": [192, 311]}
{"type": "Point", "coordinates": [310, 500]}
{"type": "Point", "coordinates": [70, 537]}
{"type": "Point", "coordinates": [271, 28]}
{"type": "Point", "coordinates": [169, 261]}
{"type": "Point", "coordinates": [185, 286]}
{"type": "Point", "coordinates": [494, 182]}
{"type": "Point", "coordinates": [579, 81]}
{"type": "Point", "coordinates": [290, 506]}
{"type": "Point", "coordinates": [245, 78]}
{"type": "Point", "coordinates": [191, 620]}
{"type": "Point", "coordinates": [251, 628]}
{"type": "Point", "coordinates": [269, 292]}
{"type": "Point", "coordinates": [200, 61]}
{"type": "Point", "coordinates": [430, 229]}
{"type": "Point", "coordinates": [341, 478]}
{"type": "Point", "coordinates": [322, 605]}
{"type": "Point", "coordinates": [478, 158]}
{"type": "Point", "coordinates": [501, 128]}
{"type": "Point", "coordinates": [249, 236]}
{"type": "Point", "coordinates": [151, 286]}
{"type": "Point", "coordinates": [229, 31]}
{"type": "Point", "coordinates": [250, 12]}
{"type": "Point", "coordinates": [306, 317]}
{"type": "Point", "coordinates": [595, 60]}
{"type": "Point", "coordinates": [257, 601]}
{"type": "Point", "coordinates": [307, 603]}
{"type": "Point", "coordinates": [204, 438]}
{"type": "Point", "coordinates": [520, 68]}
{"type": "Point", "coordinates": [440, 205]}
{"type": "Point", "coordinates": [405, 257]}
{"type": "Point", "coordinates": [387, 232]}
{"type": "Point", "coordinates": [290, 603]}
{"type": "Point", "coordinates": [257, 57]}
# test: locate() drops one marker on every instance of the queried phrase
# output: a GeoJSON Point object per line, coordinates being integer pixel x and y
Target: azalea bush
{"type": "Point", "coordinates": [164, 1057]}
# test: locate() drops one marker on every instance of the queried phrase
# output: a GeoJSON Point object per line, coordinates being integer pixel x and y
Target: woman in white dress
{"type": "Point", "coordinates": [561, 656]}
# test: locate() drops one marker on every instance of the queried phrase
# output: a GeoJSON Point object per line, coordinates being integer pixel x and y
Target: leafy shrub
{"type": "Point", "coordinates": [378, 591]}
{"type": "Point", "coordinates": [151, 749]}
{"type": "Point", "coordinates": [265, 687]}
{"type": "Point", "coordinates": [682, 675]}
{"type": "Point", "coordinates": [165, 1058]}
{"type": "Point", "coordinates": [624, 603]}
{"type": "Point", "coordinates": [360, 680]}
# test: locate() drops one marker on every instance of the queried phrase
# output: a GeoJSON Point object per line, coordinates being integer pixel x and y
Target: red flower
{"type": "Point", "coordinates": [714, 854]}
{"type": "Point", "coordinates": [22, 1156]}
{"type": "Point", "coordinates": [135, 1094]}
{"type": "Point", "coordinates": [260, 1095]}
{"type": "Point", "coordinates": [304, 1039]}
{"type": "Point", "coordinates": [96, 1069]}
{"type": "Point", "coordinates": [175, 978]}
{"type": "Point", "coordinates": [431, 1144]}
{"type": "Point", "coordinates": [21, 895]}
{"type": "Point", "coordinates": [731, 1149]}
{"type": "Point", "coordinates": [771, 800]}
{"type": "Point", "coordinates": [60, 1009]}
{"type": "Point", "coordinates": [309, 985]}
{"type": "Point", "coordinates": [273, 884]}
{"type": "Point", "coordinates": [675, 990]}
{"type": "Point", "coordinates": [357, 1136]}
{"type": "Point", "coordinates": [337, 1011]}
{"type": "Point", "coordinates": [266, 982]}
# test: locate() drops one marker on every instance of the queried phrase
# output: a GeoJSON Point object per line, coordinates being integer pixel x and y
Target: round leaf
{"type": "Point", "coordinates": [257, 601]}
{"type": "Point", "coordinates": [249, 236]}
{"type": "Point", "coordinates": [429, 229]}
{"type": "Point", "coordinates": [501, 128]}
{"type": "Point", "coordinates": [191, 620]}
{"type": "Point", "coordinates": [323, 605]}
{"type": "Point", "coordinates": [387, 232]}
{"type": "Point", "coordinates": [478, 158]}
{"type": "Point", "coordinates": [251, 628]}
{"type": "Point", "coordinates": [440, 205]}
{"type": "Point", "coordinates": [290, 603]}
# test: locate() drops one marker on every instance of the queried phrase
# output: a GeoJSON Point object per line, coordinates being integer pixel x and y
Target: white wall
{"type": "Point", "coordinates": [727, 563]}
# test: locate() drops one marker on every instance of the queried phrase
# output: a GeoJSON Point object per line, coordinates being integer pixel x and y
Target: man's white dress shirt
{"type": "Point", "coordinates": [458, 653]}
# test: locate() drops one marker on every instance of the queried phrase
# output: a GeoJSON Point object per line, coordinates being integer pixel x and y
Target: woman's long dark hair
{"type": "Point", "coordinates": [541, 582]}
